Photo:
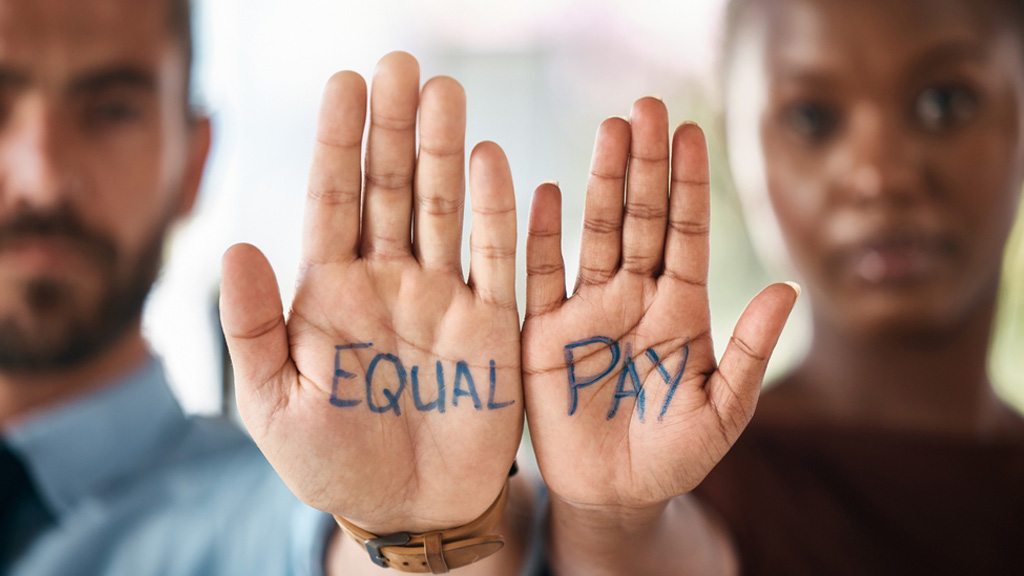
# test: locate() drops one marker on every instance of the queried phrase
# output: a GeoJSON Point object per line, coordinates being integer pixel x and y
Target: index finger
{"type": "Point", "coordinates": [331, 227]}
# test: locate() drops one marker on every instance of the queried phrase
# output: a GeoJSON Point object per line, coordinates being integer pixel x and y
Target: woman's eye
{"type": "Point", "coordinates": [945, 107]}
{"type": "Point", "coordinates": [811, 121]}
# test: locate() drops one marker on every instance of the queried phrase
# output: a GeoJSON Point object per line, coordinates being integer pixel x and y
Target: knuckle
{"type": "Point", "coordinates": [494, 211]}
{"type": "Point", "coordinates": [599, 225]}
{"type": "Point", "coordinates": [543, 234]}
{"type": "Point", "coordinates": [676, 276]}
{"type": "Point", "coordinates": [691, 181]}
{"type": "Point", "coordinates": [332, 196]}
{"type": "Point", "coordinates": [545, 269]}
{"type": "Point", "coordinates": [441, 150]}
{"type": "Point", "coordinates": [646, 211]}
{"type": "Point", "coordinates": [689, 227]}
{"type": "Point", "coordinates": [438, 205]}
{"type": "Point", "coordinates": [340, 145]}
{"type": "Point", "coordinates": [639, 263]}
{"type": "Point", "coordinates": [392, 123]}
{"type": "Point", "coordinates": [607, 176]}
{"type": "Point", "coordinates": [649, 158]}
{"type": "Point", "coordinates": [389, 180]}
{"type": "Point", "coordinates": [747, 350]}
{"type": "Point", "coordinates": [590, 275]}
{"type": "Point", "coordinates": [492, 251]}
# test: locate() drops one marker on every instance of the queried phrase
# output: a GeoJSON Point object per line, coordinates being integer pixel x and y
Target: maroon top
{"type": "Point", "coordinates": [832, 501]}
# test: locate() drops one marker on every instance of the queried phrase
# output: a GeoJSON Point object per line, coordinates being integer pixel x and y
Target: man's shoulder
{"type": "Point", "coordinates": [202, 501]}
{"type": "Point", "coordinates": [212, 455]}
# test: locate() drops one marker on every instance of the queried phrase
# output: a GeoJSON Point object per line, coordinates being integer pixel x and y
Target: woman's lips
{"type": "Point", "coordinates": [898, 260]}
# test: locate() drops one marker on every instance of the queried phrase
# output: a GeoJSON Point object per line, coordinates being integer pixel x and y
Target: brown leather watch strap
{"type": "Point", "coordinates": [434, 552]}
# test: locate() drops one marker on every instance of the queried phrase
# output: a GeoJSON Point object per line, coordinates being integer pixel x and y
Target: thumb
{"type": "Point", "coordinates": [735, 386]}
{"type": "Point", "coordinates": [253, 321]}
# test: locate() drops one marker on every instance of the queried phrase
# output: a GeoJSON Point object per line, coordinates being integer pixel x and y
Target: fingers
{"type": "Point", "coordinates": [734, 388]}
{"type": "Point", "coordinates": [545, 270]}
{"type": "Point", "coordinates": [440, 175]}
{"type": "Point", "coordinates": [492, 241]}
{"type": "Point", "coordinates": [602, 217]}
{"type": "Point", "coordinates": [687, 248]}
{"type": "Point", "coordinates": [253, 321]}
{"type": "Point", "coordinates": [391, 156]}
{"type": "Point", "coordinates": [331, 228]}
{"type": "Point", "coordinates": [643, 227]}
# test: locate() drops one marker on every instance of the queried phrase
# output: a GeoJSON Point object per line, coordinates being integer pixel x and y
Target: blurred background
{"type": "Point", "coordinates": [540, 75]}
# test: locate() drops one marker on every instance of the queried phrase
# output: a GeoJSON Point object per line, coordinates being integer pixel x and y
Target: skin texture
{"type": "Point", "coordinates": [643, 285]}
{"type": "Point", "coordinates": [895, 216]}
{"type": "Point", "coordinates": [366, 279]}
{"type": "Point", "coordinates": [97, 158]}
{"type": "Point", "coordinates": [894, 152]}
{"type": "Point", "coordinates": [893, 158]}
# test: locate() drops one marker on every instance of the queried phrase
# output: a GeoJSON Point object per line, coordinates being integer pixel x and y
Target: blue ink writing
{"type": "Point", "coordinates": [673, 380]}
{"type": "Point", "coordinates": [576, 383]}
{"type": "Point", "coordinates": [340, 374]}
{"type": "Point", "coordinates": [462, 374]}
{"type": "Point", "coordinates": [384, 385]}
{"type": "Point", "coordinates": [491, 404]}
{"type": "Point", "coordinates": [417, 399]}
{"type": "Point", "coordinates": [635, 390]}
{"type": "Point", "coordinates": [628, 383]}
{"type": "Point", "coordinates": [391, 396]}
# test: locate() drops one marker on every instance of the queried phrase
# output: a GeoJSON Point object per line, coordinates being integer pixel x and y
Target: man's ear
{"type": "Point", "coordinates": [195, 163]}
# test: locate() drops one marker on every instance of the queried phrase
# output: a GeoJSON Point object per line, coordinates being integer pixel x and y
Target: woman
{"type": "Point", "coordinates": [891, 140]}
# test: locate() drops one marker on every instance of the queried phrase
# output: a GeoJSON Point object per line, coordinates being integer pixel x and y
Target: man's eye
{"type": "Point", "coordinates": [811, 121]}
{"type": "Point", "coordinates": [943, 108]}
{"type": "Point", "coordinates": [112, 113]}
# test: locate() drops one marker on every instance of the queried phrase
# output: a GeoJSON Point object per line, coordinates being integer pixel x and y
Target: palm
{"type": "Point", "coordinates": [626, 402]}
{"type": "Point", "coordinates": [421, 318]}
{"type": "Point", "coordinates": [395, 386]}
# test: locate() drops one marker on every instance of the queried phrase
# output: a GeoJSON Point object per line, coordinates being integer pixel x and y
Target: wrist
{"type": "Point", "coordinates": [435, 551]}
{"type": "Point", "coordinates": [604, 519]}
{"type": "Point", "coordinates": [348, 557]}
{"type": "Point", "coordinates": [667, 538]}
{"type": "Point", "coordinates": [598, 540]}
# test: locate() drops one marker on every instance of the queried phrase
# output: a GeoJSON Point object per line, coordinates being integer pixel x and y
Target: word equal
{"type": "Point", "coordinates": [463, 386]}
{"type": "Point", "coordinates": [635, 387]}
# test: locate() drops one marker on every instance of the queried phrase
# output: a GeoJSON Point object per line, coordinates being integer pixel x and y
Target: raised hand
{"type": "Point", "coordinates": [627, 405]}
{"type": "Point", "coordinates": [391, 395]}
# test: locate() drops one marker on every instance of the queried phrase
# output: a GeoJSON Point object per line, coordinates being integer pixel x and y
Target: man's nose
{"type": "Point", "coordinates": [881, 162]}
{"type": "Point", "coordinates": [36, 158]}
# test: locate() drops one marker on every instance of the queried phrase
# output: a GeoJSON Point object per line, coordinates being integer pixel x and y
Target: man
{"type": "Point", "coordinates": [100, 472]}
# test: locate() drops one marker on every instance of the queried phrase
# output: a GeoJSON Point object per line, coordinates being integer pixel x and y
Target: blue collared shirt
{"type": "Point", "coordinates": [134, 488]}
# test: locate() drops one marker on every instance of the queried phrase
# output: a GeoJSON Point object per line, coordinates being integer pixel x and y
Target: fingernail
{"type": "Point", "coordinates": [551, 182]}
{"type": "Point", "coordinates": [655, 96]}
{"type": "Point", "coordinates": [796, 288]}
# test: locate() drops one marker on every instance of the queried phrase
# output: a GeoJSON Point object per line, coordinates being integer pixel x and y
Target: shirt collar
{"type": "Point", "coordinates": [81, 447]}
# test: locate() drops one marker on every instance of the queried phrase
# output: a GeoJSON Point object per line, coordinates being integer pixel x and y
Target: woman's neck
{"type": "Point", "coordinates": [933, 381]}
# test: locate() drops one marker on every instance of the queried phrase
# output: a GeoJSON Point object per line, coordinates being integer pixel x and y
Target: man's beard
{"type": "Point", "coordinates": [63, 331]}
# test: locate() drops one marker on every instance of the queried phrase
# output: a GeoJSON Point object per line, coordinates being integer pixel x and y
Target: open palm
{"type": "Point", "coordinates": [626, 402]}
{"type": "Point", "coordinates": [392, 394]}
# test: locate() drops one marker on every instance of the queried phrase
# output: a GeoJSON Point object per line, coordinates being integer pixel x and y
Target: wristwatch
{"type": "Point", "coordinates": [435, 552]}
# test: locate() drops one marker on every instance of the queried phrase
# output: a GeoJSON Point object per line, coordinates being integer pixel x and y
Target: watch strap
{"type": "Point", "coordinates": [434, 552]}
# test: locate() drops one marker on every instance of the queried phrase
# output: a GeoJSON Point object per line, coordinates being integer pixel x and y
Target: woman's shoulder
{"type": "Point", "coordinates": [792, 406]}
